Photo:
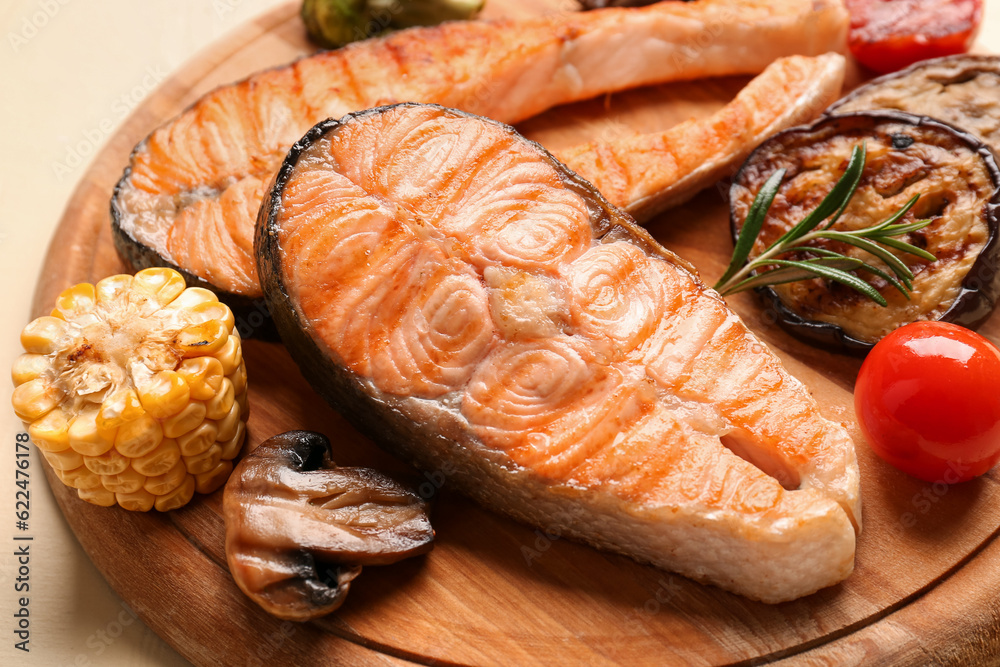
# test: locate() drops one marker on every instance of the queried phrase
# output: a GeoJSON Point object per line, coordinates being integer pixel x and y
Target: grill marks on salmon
{"type": "Point", "coordinates": [595, 375]}
{"type": "Point", "coordinates": [650, 173]}
{"type": "Point", "coordinates": [187, 198]}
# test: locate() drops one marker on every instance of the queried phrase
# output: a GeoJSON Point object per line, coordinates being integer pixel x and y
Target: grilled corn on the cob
{"type": "Point", "coordinates": [135, 390]}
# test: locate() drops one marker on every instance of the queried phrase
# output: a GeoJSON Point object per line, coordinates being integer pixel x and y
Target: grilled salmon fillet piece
{"type": "Point", "coordinates": [650, 173]}
{"type": "Point", "coordinates": [476, 307]}
{"type": "Point", "coordinates": [191, 191]}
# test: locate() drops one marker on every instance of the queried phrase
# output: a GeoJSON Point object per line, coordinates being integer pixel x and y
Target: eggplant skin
{"type": "Point", "coordinates": [253, 319]}
{"type": "Point", "coordinates": [978, 291]}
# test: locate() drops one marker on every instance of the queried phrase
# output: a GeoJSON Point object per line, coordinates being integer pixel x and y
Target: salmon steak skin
{"type": "Point", "coordinates": [189, 196]}
{"type": "Point", "coordinates": [472, 305]}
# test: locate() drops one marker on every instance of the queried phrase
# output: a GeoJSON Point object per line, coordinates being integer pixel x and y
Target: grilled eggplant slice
{"type": "Point", "coordinates": [957, 178]}
{"type": "Point", "coordinates": [477, 308]}
{"type": "Point", "coordinates": [961, 90]}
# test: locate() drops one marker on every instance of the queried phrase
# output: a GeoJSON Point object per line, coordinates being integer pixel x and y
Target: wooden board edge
{"type": "Point", "coordinates": [901, 634]}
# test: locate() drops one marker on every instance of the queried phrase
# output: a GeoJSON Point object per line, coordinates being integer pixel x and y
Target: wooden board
{"type": "Point", "coordinates": [494, 591]}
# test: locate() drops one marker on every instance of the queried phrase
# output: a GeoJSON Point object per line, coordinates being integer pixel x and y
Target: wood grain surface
{"type": "Point", "coordinates": [494, 591]}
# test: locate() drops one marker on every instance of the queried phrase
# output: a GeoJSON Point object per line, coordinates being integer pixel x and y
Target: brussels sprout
{"type": "Point", "coordinates": [333, 23]}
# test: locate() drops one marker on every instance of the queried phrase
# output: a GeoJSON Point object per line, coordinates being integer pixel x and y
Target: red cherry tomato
{"type": "Point", "coordinates": [928, 400]}
{"type": "Point", "coordinates": [888, 35]}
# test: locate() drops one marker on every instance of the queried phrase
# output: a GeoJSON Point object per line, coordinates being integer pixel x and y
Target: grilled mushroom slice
{"type": "Point", "coordinates": [960, 90]}
{"type": "Point", "coordinates": [955, 174]}
{"type": "Point", "coordinates": [298, 528]}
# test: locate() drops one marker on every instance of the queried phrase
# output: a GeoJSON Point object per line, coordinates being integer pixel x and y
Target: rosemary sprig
{"type": "Point", "coordinates": [875, 240]}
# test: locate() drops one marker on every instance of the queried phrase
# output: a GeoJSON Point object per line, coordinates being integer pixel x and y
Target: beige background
{"type": "Point", "coordinates": [71, 70]}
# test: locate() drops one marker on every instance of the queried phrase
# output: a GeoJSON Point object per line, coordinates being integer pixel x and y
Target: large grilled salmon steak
{"type": "Point", "coordinates": [475, 307]}
{"type": "Point", "coordinates": [190, 194]}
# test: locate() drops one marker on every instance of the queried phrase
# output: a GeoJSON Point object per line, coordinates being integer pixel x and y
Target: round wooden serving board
{"type": "Point", "coordinates": [494, 591]}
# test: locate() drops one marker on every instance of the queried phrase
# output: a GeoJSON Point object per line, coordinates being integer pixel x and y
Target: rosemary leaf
{"type": "Point", "coordinates": [888, 223]}
{"type": "Point", "coordinates": [907, 248]}
{"type": "Point", "coordinates": [852, 175]}
{"type": "Point", "coordinates": [899, 230]}
{"type": "Point", "coordinates": [888, 278]}
{"type": "Point", "coordinates": [849, 280]}
{"type": "Point", "coordinates": [897, 265]}
{"type": "Point", "coordinates": [752, 225]}
{"type": "Point", "coordinates": [834, 203]}
{"type": "Point", "coordinates": [794, 272]}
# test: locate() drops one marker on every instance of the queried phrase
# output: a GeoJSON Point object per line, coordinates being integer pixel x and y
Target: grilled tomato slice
{"type": "Point", "coordinates": [135, 390]}
{"type": "Point", "coordinates": [926, 399]}
{"type": "Point", "coordinates": [888, 35]}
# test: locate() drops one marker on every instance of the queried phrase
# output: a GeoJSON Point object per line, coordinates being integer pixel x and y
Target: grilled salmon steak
{"type": "Point", "coordinates": [474, 306]}
{"type": "Point", "coordinates": [650, 173]}
{"type": "Point", "coordinates": [190, 194]}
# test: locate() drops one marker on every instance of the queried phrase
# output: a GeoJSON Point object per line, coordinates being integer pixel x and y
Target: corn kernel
{"type": "Point", "coordinates": [139, 501]}
{"type": "Point", "coordinates": [168, 481]}
{"type": "Point", "coordinates": [64, 460]}
{"type": "Point", "coordinates": [127, 481]}
{"type": "Point", "coordinates": [207, 482]}
{"type": "Point", "coordinates": [99, 496]}
{"type": "Point", "coordinates": [197, 441]}
{"type": "Point", "coordinates": [160, 285]}
{"type": "Point", "coordinates": [220, 404]}
{"type": "Point", "coordinates": [230, 355]}
{"type": "Point", "coordinates": [28, 366]}
{"type": "Point", "coordinates": [75, 301]}
{"type": "Point", "coordinates": [139, 437]}
{"type": "Point", "coordinates": [86, 437]}
{"type": "Point", "coordinates": [178, 497]}
{"type": "Point", "coordinates": [51, 432]}
{"type": "Point", "coordinates": [192, 296]}
{"type": "Point", "coordinates": [165, 394]}
{"type": "Point", "coordinates": [212, 310]}
{"type": "Point", "coordinates": [203, 375]}
{"type": "Point", "coordinates": [35, 398]}
{"type": "Point", "coordinates": [160, 460]}
{"type": "Point", "coordinates": [205, 461]}
{"type": "Point", "coordinates": [231, 448]}
{"type": "Point", "coordinates": [227, 425]}
{"type": "Point", "coordinates": [43, 335]}
{"type": "Point", "coordinates": [185, 420]}
{"type": "Point", "coordinates": [119, 408]}
{"type": "Point", "coordinates": [108, 463]}
{"type": "Point", "coordinates": [203, 338]}
{"type": "Point", "coordinates": [113, 289]}
{"type": "Point", "coordinates": [80, 478]}
{"type": "Point", "coordinates": [239, 379]}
